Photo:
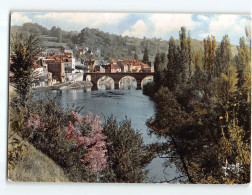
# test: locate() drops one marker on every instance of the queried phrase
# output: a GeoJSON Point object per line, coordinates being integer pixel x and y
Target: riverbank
{"type": "Point", "coordinates": [64, 86]}
{"type": "Point", "coordinates": [78, 85]}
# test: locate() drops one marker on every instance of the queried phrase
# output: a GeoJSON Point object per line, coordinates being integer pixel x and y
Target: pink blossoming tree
{"type": "Point", "coordinates": [87, 131]}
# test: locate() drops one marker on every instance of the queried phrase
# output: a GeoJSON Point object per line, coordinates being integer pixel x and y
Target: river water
{"type": "Point", "coordinates": [121, 103]}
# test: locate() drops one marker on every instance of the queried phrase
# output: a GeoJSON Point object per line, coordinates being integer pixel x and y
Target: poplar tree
{"type": "Point", "coordinates": [172, 75]}
{"type": "Point", "coordinates": [225, 71]}
{"type": "Point", "coordinates": [209, 55]}
{"type": "Point", "coordinates": [163, 61]}
{"type": "Point", "coordinates": [243, 61]}
{"type": "Point", "coordinates": [157, 71]}
{"type": "Point", "coordinates": [189, 44]}
{"type": "Point", "coordinates": [183, 55]}
{"type": "Point", "coordinates": [224, 57]}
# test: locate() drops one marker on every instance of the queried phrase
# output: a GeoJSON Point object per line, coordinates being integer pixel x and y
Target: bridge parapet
{"type": "Point", "coordinates": [117, 77]}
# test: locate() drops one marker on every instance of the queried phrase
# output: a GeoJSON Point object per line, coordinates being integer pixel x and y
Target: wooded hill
{"type": "Point", "coordinates": [110, 45]}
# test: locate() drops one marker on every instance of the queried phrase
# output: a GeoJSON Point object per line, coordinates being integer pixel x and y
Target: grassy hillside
{"type": "Point", "coordinates": [34, 166]}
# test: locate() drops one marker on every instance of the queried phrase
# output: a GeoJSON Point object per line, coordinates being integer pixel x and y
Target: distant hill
{"type": "Point", "coordinates": [110, 45]}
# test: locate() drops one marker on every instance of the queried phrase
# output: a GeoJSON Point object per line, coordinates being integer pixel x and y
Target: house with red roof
{"type": "Point", "coordinates": [131, 65]}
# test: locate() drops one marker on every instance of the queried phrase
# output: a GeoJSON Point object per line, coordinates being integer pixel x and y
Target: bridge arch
{"type": "Point", "coordinates": [146, 80]}
{"type": "Point", "coordinates": [105, 82]}
{"type": "Point", "coordinates": [88, 78]}
{"type": "Point", "coordinates": [94, 76]}
{"type": "Point", "coordinates": [127, 82]}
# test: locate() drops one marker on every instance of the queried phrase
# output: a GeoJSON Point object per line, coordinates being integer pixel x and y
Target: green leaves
{"type": "Point", "coordinates": [127, 155]}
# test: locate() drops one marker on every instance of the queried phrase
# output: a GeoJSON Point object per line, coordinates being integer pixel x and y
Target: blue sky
{"type": "Point", "coordinates": [160, 25]}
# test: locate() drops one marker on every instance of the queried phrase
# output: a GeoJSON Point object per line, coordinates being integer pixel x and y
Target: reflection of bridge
{"type": "Point", "coordinates": [94, 77]}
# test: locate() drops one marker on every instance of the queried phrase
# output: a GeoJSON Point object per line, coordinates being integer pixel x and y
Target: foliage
{"type": "Point", "coordinates": [209, 55]}
{"type": "Point", "coordinates": [87, 131]}
{"type": "Point", "coordinates": [204, 114]}
{"type": "Point", "coordinates": [56, 32]}
{"type": "Point", "coordinates": [21, 54]}
{"type": "Point", "coordinates": [157, 70]}
{"type": "Point", "coordinates": [127, 155]}
{"type": "Point", "coordinates": [149, 89]}
{"type": "Point", "coordinates": [243, 61]}
{"type": "Point", "coordinates": [184, 55]}
{"type": "Point", "coordinates": [173, 72]}
{"type": "Point", "coordinates": [223, 58]}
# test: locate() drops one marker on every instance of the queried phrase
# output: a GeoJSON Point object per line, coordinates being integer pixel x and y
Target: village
{"type": "Point", "coordinates": [60, 65]}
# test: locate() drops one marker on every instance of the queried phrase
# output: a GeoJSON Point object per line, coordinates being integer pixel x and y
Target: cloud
{"type": "Point", "coordinates": [204, 35]}
{"type": "Point", "coordinates": [228, 24]}
{"type": "Point", "coordinates": [165, 23]}
{"type": "Point", "coordinates": [139, 29]}
{"type": "Point", "coordinates": [202, 17]}
{"type": "Point", "coordinates": [19, 19]}
{"type": "Point", "coordinates": [90, 19]}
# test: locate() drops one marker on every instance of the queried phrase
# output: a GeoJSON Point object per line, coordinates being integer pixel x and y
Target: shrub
{"type": "Point", "coordinates": [149, 89]}
{"type": "Point", "coordinates": [127, 156]}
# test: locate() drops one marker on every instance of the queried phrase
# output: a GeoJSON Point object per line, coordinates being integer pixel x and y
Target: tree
{"type": "Point", "coordinates": [21, 54]}
{"type": "Point", "coordinates": [225, 71]}
{"type": "Point", "coordinates": [127, 155]}
{"type": "Point", "coordinates": [224, 57]}
{"type": "Point", "coordinates": [243, 61]}
{"type": "Point", "coordinates": [235, 150]}
{"type": "Point", "coordinates": [163, 61]}
{"type": "Point", "coordinates": [199, 79]}
{"type": "Point", "coordinates": [184, 55]}
{"type": "Point", "coordinates": [172, 76]}
{"type": "Point", "coordinates": [146, 56]}
{"type": "Point", "coordinates": [190, 53]}
{"type": "Point", "coordinates": [209, 55]}
{"type": "Point", "coordinates": [248, 35]}
{"type": "Point", "coordinates": [59, 34]}
{"type": "Point", "coordinates": [157, 71]}
{"type": "Point", "coordinates": [169, 118]}
{"type": "Point", "coordinates": [87, 131]}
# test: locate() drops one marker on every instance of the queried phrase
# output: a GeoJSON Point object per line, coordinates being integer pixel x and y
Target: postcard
{"type": "Point", "coordinates": [129, 98]}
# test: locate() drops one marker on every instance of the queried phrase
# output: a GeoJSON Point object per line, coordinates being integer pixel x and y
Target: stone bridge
{"type": "Point", "coordinates": [94, 77]}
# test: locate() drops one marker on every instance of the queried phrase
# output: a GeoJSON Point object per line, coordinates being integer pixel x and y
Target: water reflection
{"type": "Point", "coordinates": [127, 82]}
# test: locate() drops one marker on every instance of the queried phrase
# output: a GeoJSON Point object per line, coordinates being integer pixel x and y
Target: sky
{"type": "Point", "coordinates": [150, 25]}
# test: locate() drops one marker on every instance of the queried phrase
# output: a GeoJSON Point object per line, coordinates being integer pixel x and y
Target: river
{"type": "Point", "coordinates": [121, 103]}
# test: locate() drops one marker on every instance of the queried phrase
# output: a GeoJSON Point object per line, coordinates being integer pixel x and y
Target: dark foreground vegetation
{"type": "Point", "coordinates": [203, 105]}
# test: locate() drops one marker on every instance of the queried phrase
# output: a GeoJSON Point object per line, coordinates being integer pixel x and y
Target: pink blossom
{"type": "Point", "coordinates": [77, 117]}
{"type": "Point", "coordinates": [70, 132]}
{"type": "Point", "coordinates": [34, 122]}
{"type": "Point", "coordinates": [82, 140]}
{"type": "Point", "coordinates": [94, 140]}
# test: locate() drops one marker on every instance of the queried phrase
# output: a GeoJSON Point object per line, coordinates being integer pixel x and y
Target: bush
{"type": "Point", "coordinates": [127, 156]}
{"type": "Point", "coordinates": [149, 89]}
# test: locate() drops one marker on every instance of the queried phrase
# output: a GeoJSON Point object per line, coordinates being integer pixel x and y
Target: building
{"type": "Point", "coordinates": [39, 76]}
{"type": "Point", "coordinates": [99, 68]}
{"type": "Point", "coordinates": [111, 68]}
{"type": "Point", "coordinates": [58, 70]}
{"type": "Point", "coordinates": [81, 52]}
{"type": "Point", "coordinates": [113, 61]}
{"type": "Point", "coordinates": [130, 65]}
{"type": "Point", "coordinates": [69, 64]}
{"type": "Point", "coordinates": [90, 64]}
